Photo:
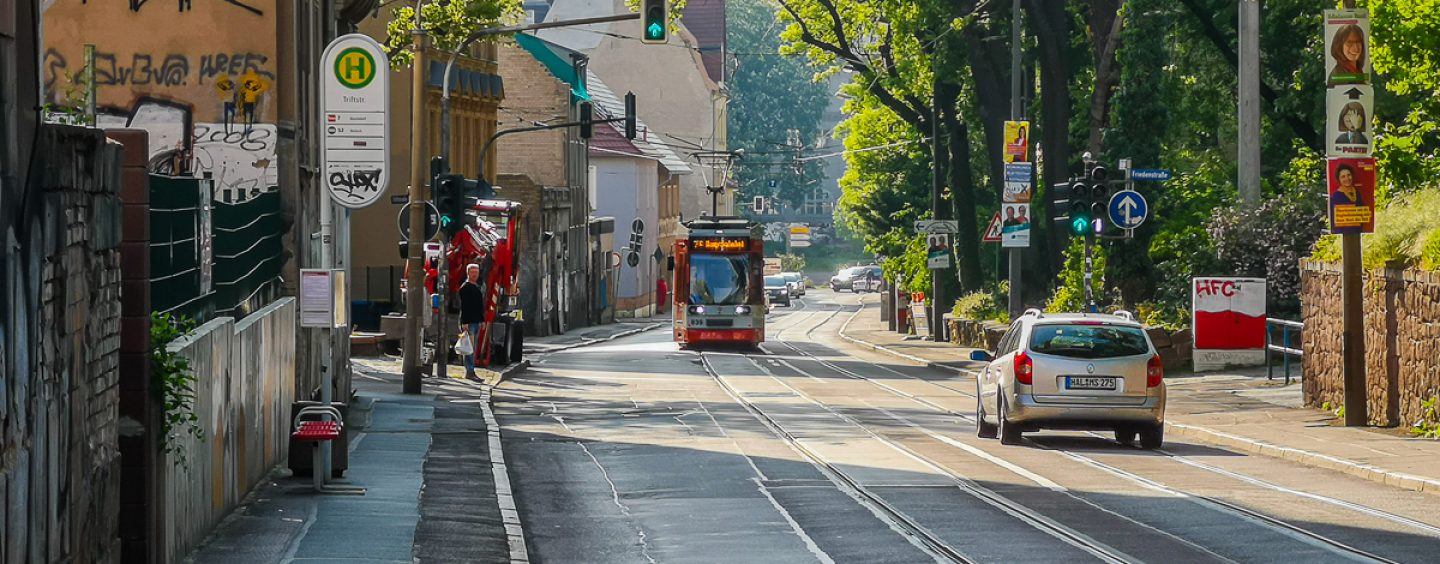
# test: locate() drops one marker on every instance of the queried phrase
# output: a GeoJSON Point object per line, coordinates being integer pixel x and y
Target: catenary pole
{"type": "Point", "coordinates": [1016, 113]}
{"type": "Point", "coordinates": [1352, 303]}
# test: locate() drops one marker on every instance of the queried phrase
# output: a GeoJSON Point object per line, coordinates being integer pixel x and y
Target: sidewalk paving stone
{"type": "Point", "coordinates": [1242, 410]}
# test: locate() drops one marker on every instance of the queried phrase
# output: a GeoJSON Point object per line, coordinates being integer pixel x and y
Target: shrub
{"type": "Point", "coordinates": [989, 304]}
{"type": "Point", "coordinates": [1070, 293]}
{"type": "Point", "coordinates": [1269, 242]}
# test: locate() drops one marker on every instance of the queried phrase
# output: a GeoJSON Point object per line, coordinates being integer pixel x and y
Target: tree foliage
{"type": "Point", "coordinates": [449, 22]}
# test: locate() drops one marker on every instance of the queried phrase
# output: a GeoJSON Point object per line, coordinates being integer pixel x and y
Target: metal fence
{"type": "Point", "coordinates": [1290, 333]}
{"type": "Point", "coordinates": [209, 258]}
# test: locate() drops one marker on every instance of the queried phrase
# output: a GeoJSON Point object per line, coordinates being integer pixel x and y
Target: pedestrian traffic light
{"type": "Point", "coordinates": [587, 120]}
{"type": "Point", "coordinates": [629, 115]}
{"type": "Point", "coordinates": [655, 21]}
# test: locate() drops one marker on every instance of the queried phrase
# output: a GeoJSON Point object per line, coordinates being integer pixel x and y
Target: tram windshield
{"type": "Point", "coordinates": [719, 279]}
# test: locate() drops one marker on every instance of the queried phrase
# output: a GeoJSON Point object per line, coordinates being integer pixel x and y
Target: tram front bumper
{"type": "Point", "coordinates": [722, 335]}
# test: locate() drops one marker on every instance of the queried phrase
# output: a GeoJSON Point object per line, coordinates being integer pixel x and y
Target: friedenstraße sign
{"type": "Point", "coordinates": [356, 97]}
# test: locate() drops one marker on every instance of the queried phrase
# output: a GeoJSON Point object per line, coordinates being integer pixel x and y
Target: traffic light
{"type": "Point", "coordinates": [655, 21]}
{"type": "Point", "coordinates": [1072, 200]}
{"type": "Point", "coordinates": [587, 120]}
{"type": "Point", "coordinates": [450, 202]}
{"type": "Point", "coordinates": [1098, 178]}
{"type": "Point", "coordinates": [629, 115]}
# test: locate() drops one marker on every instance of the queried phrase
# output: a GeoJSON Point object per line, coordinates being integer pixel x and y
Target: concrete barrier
{"type": "Point", "coordinates": [245, 382]}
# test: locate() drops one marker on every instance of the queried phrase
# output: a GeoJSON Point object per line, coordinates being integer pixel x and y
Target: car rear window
{"type": "Point", "coordinates": [1088, 341]}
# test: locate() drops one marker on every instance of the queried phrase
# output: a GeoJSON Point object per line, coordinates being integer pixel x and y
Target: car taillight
{"type": "Point", "coordinates": [1154, 372]}
{"type": "Point", "coordinates": [1024, 369]}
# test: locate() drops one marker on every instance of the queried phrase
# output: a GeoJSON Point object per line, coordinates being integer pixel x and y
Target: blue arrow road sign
{"type": "Point", "coordinates": [1149, 174]}
{"type": "Point", "coordinates": [1128, 209]}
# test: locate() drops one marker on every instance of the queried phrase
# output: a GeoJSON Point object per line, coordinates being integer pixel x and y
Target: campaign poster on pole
{"type": "Point", "coordinates": [1018, 181]}
{"type": "Point", "coordinates": [1352, 195]}
{"type": "Point", "coordinates": [1347, 47]}
{"type": "Point", "coordinates": [1015, 225]}
{"type": "Point", "coordinates": [1017, 141]}
{"type": "Point", "coordinates": [938, 251]}
{"type": "Point", "coordinates": [1348, 115]}
{"type": "Point", "coordinates": [1228, 317]}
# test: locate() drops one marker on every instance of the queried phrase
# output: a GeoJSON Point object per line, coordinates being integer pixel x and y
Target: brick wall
{"type": "Point", "coordinates": [59, 391]}
{"type": "Point", "coordinates": [532, 94]}
{"type": "Point", "coordinates": [1402, 340]}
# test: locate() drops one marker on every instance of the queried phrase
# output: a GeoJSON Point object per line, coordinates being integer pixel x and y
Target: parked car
{"type": "Point", "coordinates": [796, 282]}
{"type": "Point", "coordinates": [845, 279]}
{"type": "Point", "coordinates": [1072, 371]}
{"type": "Point", "coordinates": [777, 290]}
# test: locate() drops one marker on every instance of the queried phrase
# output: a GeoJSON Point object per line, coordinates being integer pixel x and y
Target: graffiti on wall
{"type": "Point", "coordinates": [203, 89]}
{"type": "Point", "coordinates": [242, 162]}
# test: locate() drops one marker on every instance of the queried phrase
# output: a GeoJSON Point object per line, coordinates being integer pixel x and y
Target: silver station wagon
{"type": "Point", "coordinates": [1072, 371]}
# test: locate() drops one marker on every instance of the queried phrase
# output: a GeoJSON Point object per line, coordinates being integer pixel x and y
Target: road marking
{"type": "Point", "coordinates": [615, 497]}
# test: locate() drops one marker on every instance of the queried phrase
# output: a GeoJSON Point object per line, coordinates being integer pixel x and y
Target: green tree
{"type": "Point", "coordinates": [772, 95]}
{"type": "Point", "coordinates": [449, 23]}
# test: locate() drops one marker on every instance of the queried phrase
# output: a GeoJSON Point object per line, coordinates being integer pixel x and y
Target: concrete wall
{"type": "Point", "coordinates": [59, 353]}
{"type": "Point", "coordinates": [1402, 340]}
{"type": "Point", "coordinates": [245, 376]}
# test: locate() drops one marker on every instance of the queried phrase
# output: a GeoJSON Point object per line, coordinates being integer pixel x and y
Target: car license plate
{"type": "Point", "coordinates": [1089, 383]}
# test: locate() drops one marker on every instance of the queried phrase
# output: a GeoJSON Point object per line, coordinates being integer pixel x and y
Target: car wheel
{"type": "Point", "coordinates": [982, 429]}
{"type": "Point", "coordinates": [1010, 434]}
{"type": "Point", "coordinates": [1125, 436]}
{"type": "Point", "coordinates": [1153, 437]}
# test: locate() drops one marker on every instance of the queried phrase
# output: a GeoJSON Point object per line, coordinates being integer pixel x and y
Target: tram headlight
{"type": "Point", "coordinates": [699, 310]}
{"type": "Point", "coordinates": [742, 310]}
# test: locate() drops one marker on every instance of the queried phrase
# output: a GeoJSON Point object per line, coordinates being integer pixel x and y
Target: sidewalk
{"type": "Point", "coordinates": [431, 493]}
{"type": "Point", "coordinates": [1238, 410]}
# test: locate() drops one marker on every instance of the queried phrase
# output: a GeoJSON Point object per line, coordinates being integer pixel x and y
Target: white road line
{"type": "Point", "coordinates": [615, 497]}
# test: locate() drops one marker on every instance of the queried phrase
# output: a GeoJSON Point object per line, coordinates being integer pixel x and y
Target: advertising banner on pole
{"type": "Point", "coordinates": [1348, 111]}
{"type": "Point", "coordinates": [1229, 322]}
{"type": "Point", "coordinates": [1352, 195]}
{"type": "Point", "coordinates": [1015, 225]}
{"type": "Point", "coordinates": [1347, 47]}
{"type": "Point", "coordinates": [1018, 181]}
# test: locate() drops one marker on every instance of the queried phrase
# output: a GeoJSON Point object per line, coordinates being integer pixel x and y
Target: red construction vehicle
{"type": "Point", "coordinates": [489, 237]}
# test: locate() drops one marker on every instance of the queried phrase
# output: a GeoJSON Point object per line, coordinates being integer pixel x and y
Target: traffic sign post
{"type": "Point", "coordinates": [937, 226]}
{"type": "Point", "coordinates": [1128, 209]}
{"type": "Point", "coordinates": [357, 136]}
{"type": "Point", "coordinates": [432, 222]}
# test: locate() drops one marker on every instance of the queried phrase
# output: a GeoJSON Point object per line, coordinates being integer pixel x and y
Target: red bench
{"type": "Point", "coordinates": [317, 431]}
{"type": "Point", "coordinates": [320, 423]}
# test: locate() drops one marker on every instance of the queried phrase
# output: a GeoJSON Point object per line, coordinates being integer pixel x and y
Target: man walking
{"type": "Point", "coordinates": [472, 312]}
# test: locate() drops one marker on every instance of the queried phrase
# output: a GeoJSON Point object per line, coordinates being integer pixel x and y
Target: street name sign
{"type": "Point", "coordinates": [937, 226]}
{"type": "Point", "coordinates": [1149, 174]}
{"type": "Point", "coordinates": [1128, 209]}
{"type": "Point", "coordinates": [356, 97]}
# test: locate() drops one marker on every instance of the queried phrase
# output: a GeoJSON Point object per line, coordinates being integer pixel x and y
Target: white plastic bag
{"type": "Point", "coordinates": [465, 345]}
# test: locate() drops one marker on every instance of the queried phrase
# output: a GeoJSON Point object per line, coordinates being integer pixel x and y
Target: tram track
{"type": "Point", "coordinates": [1279, 526]}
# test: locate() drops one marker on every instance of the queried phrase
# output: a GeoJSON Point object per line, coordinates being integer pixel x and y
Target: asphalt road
{"type": "Point", "coordinates": [815, 450]}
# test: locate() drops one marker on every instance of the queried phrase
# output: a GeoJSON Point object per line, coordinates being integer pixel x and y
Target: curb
{"type": "Point", "coordinates": [888, 350]}
{"type": "Point", "coordinates": [625, 333]}
{"type": "Point", "coordinates": [1317, 460]}
{"type": "Point", "coordinates": [504, 494]}
{"type": "Point", "coordinates": [494, 377]}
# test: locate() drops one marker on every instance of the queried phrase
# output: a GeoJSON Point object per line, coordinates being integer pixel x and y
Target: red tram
{"type": "Point", "coordinates": [719, 283]}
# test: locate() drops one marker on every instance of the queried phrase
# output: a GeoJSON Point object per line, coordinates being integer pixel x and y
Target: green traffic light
{"type": "Point", "coordinates": [655, 30]}
{"type": "Point", "coordinates": [1079, 225]}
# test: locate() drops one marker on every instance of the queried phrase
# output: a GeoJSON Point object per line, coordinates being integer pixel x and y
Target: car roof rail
{"type": "Point", "coordinates": [1035, 311]}
{"type": "Point", "coordinates": [1122, 314]}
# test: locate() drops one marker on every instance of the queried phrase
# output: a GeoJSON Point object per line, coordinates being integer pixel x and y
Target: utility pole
{"type": "Point", "coordinates": [1353, 336]}
{"type": "Point", "coordinates": [937, 207]}
{"type": "Point", "coordinates": [1249, 146]}
{"type": "Point", "coordinates": [415, 302]}
{"type": "Point", "coordinates": [1016, 113]}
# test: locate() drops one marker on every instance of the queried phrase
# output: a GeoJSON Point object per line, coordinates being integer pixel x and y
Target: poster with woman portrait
{"type": "Point", "coordinates": [1348, 117]}
{"type": "Point", "coordinates": [1017, 142]}
{"type": "Point", "coordinates": [1347, 47]}
{"type": "Point", "coordinates": [1352, 195]}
